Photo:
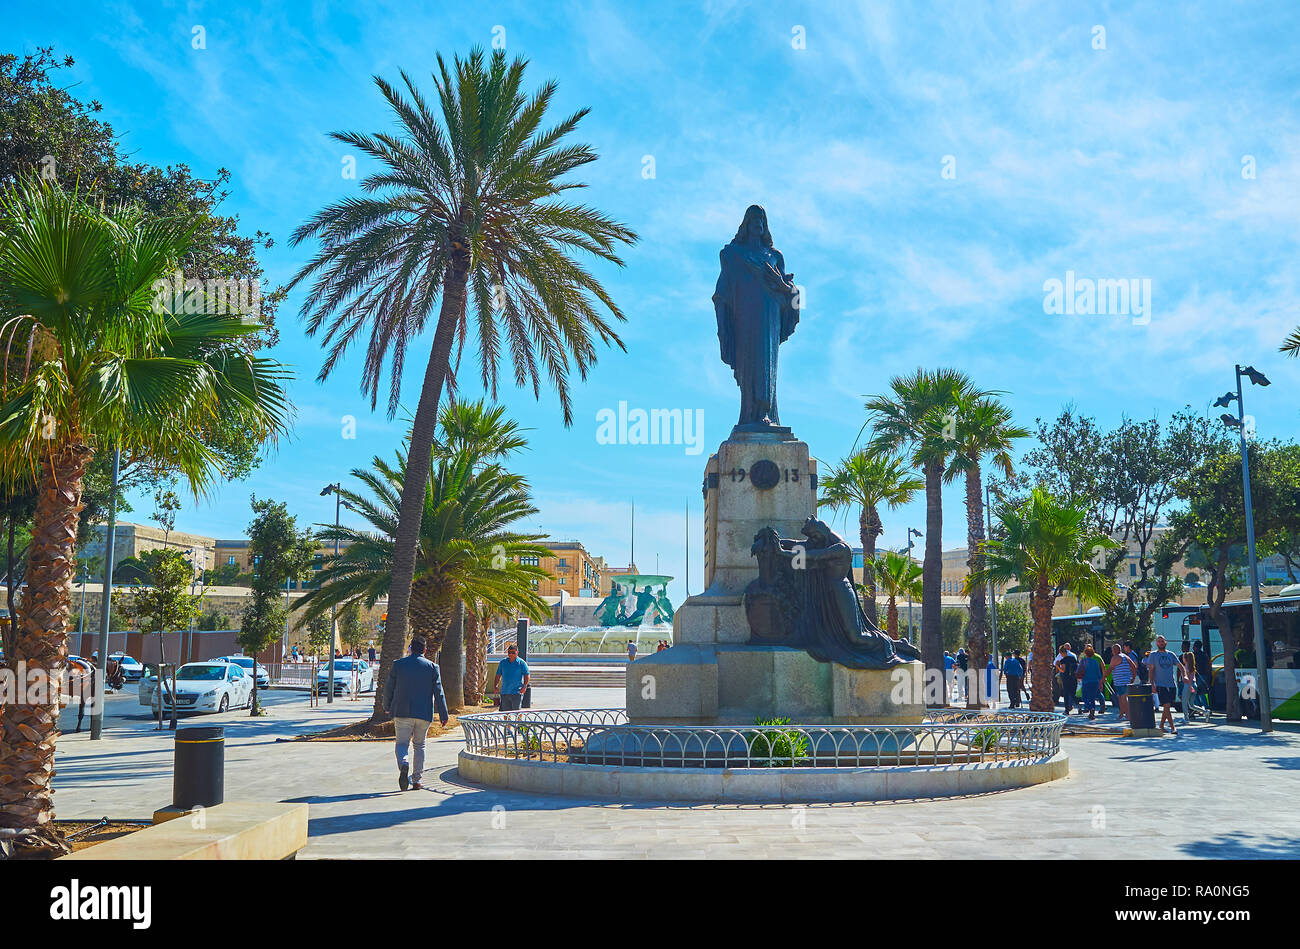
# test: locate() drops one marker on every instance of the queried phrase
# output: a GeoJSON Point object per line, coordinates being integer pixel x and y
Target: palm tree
{"type": "Point", "coordinates": [984, 427]}
{"type": "Point", "coordinates": [467, 205]}
{"type": "Point", "coordinates": [1291, 345]}
{"type": "Point", "coordinates": [98, 358]}
{"type": "Point", "coordinates": [466, 548]}
{"type": "Point", "coordinates": [899, 575]}
{"type": "Point", "coordinates": [868, 479]}
{"type": "Point", "coordinates": [1046, 546]}
{"type": "Point", "coordinates": [919, 416]}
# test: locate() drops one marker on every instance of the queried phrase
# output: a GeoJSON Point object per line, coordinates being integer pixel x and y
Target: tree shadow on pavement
{"type": "Point", "coordinates": [1240, 846]}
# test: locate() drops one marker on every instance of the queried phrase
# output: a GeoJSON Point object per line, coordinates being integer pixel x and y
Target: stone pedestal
{"type": "Point", "coordinates": [713, 674]}
{"type": "Point", "coordinates": [737, 684]}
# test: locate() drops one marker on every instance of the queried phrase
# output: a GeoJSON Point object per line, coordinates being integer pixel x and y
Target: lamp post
{"type": "Point", "coordinates": [338, 500]}
{"type": "Point", "coordinates": [993, 593]}
{"type": "Point", "coordinates": [1239, 423]}
{"type": "Point", "coordinates": [911, 532]}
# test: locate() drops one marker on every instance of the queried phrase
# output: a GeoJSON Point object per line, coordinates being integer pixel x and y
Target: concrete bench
{"type": "Point", "coordinates": [231, 831]}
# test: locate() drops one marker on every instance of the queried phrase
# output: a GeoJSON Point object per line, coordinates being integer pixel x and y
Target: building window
{"type": "Point", "coordinates": [563, 563]}
{"type": "Point", "coordinates": [562, 581]}
{"type": "Point", "coordinates": [528, 561]}
{"type": "Point", "coordinates": [1132, 570]}
{"type": "Point", "coordinates": [230, 561]}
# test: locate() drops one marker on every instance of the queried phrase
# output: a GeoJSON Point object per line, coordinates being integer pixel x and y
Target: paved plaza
{"type": "Point", "coordinates": [1214, 791]}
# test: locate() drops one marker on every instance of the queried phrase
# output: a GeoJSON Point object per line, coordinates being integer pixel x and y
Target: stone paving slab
{"type": "Point", "coordinates": [1214, 791]}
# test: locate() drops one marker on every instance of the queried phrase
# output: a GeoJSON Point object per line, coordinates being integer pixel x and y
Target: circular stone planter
{"type": "Point", "coordinates": [757, 785]}
{"type": "Point", "coordinates": [596, 753]}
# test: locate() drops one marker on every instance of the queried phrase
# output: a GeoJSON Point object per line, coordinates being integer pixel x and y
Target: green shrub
{"type": "Point", "coordinates": [781, 749]}
{"type": "Point", "coordinates": [983, 739]}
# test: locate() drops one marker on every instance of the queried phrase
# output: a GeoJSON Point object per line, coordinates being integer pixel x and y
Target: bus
{"type": "Point", "coordinates": [1281, 616]}
{"type": "Point", "coordinates": [1082, 628]}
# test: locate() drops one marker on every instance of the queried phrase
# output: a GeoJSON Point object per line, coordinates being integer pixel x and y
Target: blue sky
{"type": "Point", "coordinates": [1122, 162]}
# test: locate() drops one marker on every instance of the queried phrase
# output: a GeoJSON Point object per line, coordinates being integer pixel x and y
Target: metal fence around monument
{"type": "Point", "coordinates": [603, 736]}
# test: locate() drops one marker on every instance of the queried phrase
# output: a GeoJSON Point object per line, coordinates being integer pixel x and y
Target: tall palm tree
{"type": "Point", "coordinates": [1047, 546]}
{"type": "Point", "coordinates": [984, 428]}
{"type": "Point", "coordinates": [96, 358]}
{"type": "Point", "coordinates": [869, 479]}
{"type": "Point", "coordinates": [465, 213]}
{"type": "Point", "coordinates": [466, 549]}
{"type": "Point", "coordinates": [899, 575]}
{"type": "Point", "coordinates": [919, 416]}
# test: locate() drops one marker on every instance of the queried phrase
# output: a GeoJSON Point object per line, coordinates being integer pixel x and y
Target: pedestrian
{"type": "Point", "coordinates": [1067, 664]}
{"type": "Point", "coordinates": [1188, 685]}
{"type": "Point", "coordinates": [963, 668]}
{"type": "Point", "coordinates": [411, 693]}
{"type": "Point", "coordinates": [949, 671]}
{"type": "Point", "coordinates": [1204, 673]}
{"type": "Point", "coordinates": [1165, 671]}
{"type": "Point", "coordinates": [372, 654]}
{"type": "Point", "coordinates": [1014, 669]}
{"type": "Point", "coordinates": [511, 680]}
{"type": "Point", "coordinates": [631, 650]}
{"type": "Point", "coordinates": [294, 653]}
{"type": "Point", "coordinates": [1089, 674]}
{"type": "Point", "coordinates": [1122, 668]}
{"type": "Point", "coordinates": [990, 691]}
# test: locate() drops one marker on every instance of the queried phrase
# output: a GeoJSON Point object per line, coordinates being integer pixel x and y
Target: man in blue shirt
{"type": "Point", "coordinates": [511, 680]}
{"type": "Point", "coordinates": [1014, 670]}
{"type": "Point", "coordinates": [411, 691]}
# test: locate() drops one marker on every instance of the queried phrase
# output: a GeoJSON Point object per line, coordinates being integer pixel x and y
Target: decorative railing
{"type": "Point", "coordinates": [604, 736]}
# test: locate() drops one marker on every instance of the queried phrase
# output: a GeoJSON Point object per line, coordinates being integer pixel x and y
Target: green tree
{"type": "Point", "coordinates": [899, 576]}
{"type": "Point", "coordinates": [320, 638]}
{"type": "Point", "coordinates": [919, 415]}
{"type": "Point", "coordinates": [867, 480]}
{"type": "Point", "coordinates": [1129, 480]}
{"type": "Point", "coordinates": [467, 206]}
{"type": "Point", "coordinates": [281, 553]}
{"type": "Point", "coordinates": [983, 429]}
{"type": "Point", "coordinates": [165, 506]}
{"type": "Point", "coordinates": [160, 601]}
{"type": "Point", "coordinates": [1015, 627]}
{"type": "Point", "coordinates": [953, 623]}
{"type": "Point", "coordinates": [1047, 546]}
{"type": "Point", "coordinates": [1215, 522]}
{"type": "Point", "coordinates": [352, 631]}
{"type": "Point", "coordinates": [468, 549]}
{"type": "Point", "coordinates": [212, 619]}
{"type": "Point", "coordinates": [114, 363]}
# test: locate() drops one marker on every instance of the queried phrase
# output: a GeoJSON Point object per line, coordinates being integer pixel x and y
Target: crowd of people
{"type": "Point", "coordinates": [1086, 680]}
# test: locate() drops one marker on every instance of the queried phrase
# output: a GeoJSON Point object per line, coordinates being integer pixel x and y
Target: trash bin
{"type": "Point", "coordinates": [200, 767]}
{"type": "Point", "coordinates": [1141, 713]}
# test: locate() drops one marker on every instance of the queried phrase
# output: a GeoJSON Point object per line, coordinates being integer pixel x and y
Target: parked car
{"type": "Point", "coordinates": [349, 675]}
{"type": "Point", "coordinates": [247, 663]}
{"type": "Point", "coordinates": [132, 668]}
{"type": "Point", "coordinates": [201, 687]}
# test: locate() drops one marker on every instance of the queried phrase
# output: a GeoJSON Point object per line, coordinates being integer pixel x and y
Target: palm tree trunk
{"type": "Point", "coordinates": [431, 613]}
{"type": "Point", "coordinates": [415, 483]}
{"type": "Point", "coordinates": [891, 618]}
{"type": "Point", "coordinates": [869, 528]}
{"type": "Point", "coordinates": [475, 658]}
{"type": "Point", "coordinates": [452, 661]}
{"type": "Point", "coordinates": [932, 577]}
{"type": "Point", "coordinates": [977, 639]}
{"type": "Point", "coordinates": [1041, 602]}
{"type": "Point", "coordinates": [28, 731]}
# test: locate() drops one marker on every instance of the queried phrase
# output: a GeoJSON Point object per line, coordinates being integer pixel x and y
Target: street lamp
{"type": "Point", "coordinates": [1239, 423]}
{"type": "Point", "coordinates": [993, 594]}
{"type": "Point", "coordinates": [911, 532]}
{"type": "Point", "coordinates": [338, 500]}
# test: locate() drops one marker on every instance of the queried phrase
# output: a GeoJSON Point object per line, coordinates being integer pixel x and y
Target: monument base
{"type": "Point", "coordinates": [740, 683]}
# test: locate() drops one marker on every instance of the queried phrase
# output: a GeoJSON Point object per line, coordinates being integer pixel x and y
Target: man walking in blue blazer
{"type": "Point", "coordinates": [413, 689]}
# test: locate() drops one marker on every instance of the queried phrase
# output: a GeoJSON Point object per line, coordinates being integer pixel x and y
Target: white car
{"type": "Point", "coordinates": [246, 663]}
{"type": "Point", "coordinates": [131, 667]}
{"type": "Point", "coordinates": [346, 677]}
{"type": "Point", "coordinates": [201, 687]}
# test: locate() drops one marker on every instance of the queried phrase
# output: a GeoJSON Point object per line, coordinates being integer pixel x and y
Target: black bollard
{"type": "Point", "coordinates": [1141, 713]}
{"type": "Point", "coordinates": [200, 767]}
